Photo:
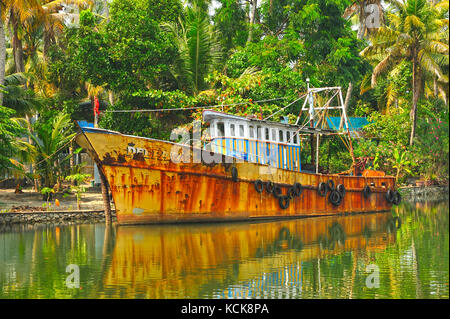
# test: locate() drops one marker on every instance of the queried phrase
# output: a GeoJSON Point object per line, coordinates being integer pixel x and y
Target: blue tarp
{"type": "Point", "coordinates": [355, 123]}
{"type": "Point", "coordinates": [85, 124]}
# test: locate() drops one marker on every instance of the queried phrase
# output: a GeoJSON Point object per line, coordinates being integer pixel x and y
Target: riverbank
{"type": "Point", "coordinates": [424, 193]}
{"type": "Point", "coordinates": [87, 216]}
{"type": "Point", "coordinates": [29, 201]}
{"type": "Point", "coordinates": [29, 208]}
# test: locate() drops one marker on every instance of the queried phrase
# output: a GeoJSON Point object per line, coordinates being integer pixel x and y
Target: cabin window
{"type": "Point", "coordinates": [212, 128]}
{"type": "Point", "coordinates": [288, 137]}
{"type": "Point", "coordinates": [280, 136]}
{"type": "Point", "coordinates": [241, 130]}
{"type": "Point", "coordinates": [295, 139]}
{"type": "Point", "coordinates": [267, 134]}
{"type": "Point", "coordinates": [252, 133]}
{"type": "Point", "coordinates": [220, 129]}
{"type": "Point", "coordinates": [274, 135]}
{"type": "Point", "coordinates": [258, 132]}
{"type": "Point", "coordinates": [232, 130]}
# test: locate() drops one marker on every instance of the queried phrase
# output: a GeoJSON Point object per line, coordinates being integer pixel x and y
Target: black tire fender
{"type": "Point", "coordinates": [330, 185]}
{"type": "Point", "coordinates": [397, 198]}
{"type": "Point", "coordinates": [390, 195]}
{"type": "Point", "coordinates": [341, 189]}
{"type": "Point", "coordinates": [283, 201]}
{"type": "Point", "coordinates": [367, 191]}
{"type": "Point", "coordinates": [234, 174]}
{"type": "Point", "coordinates": [298, 188]}
{"type": "Point", "coordinates": [291, 192]}
{"type": "Point", "coordinates": [277, 191]}
{"type": "Point", "coordinates": [269, 187]}
{"type": "Point", "coordinates": [259, 186]}
{"type": "Point", "coordinates": [322, 189]}
{"type": "Point", "coordinates": [335, 198]}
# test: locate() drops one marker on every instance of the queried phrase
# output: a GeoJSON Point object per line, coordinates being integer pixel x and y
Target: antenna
{"type": "Point", "coordinates": [310, 98]}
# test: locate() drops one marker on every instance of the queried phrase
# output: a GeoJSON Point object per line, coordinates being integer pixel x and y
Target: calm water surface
{"type": "Point", "coordinates": [302, 258]}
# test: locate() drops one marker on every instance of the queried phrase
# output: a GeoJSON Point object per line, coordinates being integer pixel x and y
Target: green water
{"type": "Point", "coordinates": [404, 257]}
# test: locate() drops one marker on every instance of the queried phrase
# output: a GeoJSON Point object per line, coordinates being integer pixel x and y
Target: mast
{"type": "Point", "coordinates": [344, 116]}
{"type": "Point", "coordinates": [314, 155]}
{"type": "Point", "coordinates": [336, 96]}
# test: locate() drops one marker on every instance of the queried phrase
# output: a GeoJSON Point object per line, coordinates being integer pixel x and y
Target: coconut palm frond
{"type": "Point", "coordinates": [396, 5]}
{"type": "Point", "coordinates": [442, 5]}
{"type": "Point", "coordinates": [199, 51]}
{"type": "Point", "coordinates": [51, 6]}
{"type": "Point", "coordinates": [251, 70]}
{"type": "Point", "coordinates": [435, 46]}
{"type": "Point", "coordinates": [429, 64]}
{"type": "Point", "coordinates": [15, 79]}
{"type": "Point", "coordinates": [365, 84]}
{"type": "Point", "coordinates": [413, 21]}
{"type": "Point", "coordinates": [381, 68]}
{"type": "Point", "coordinates": [391, 95]}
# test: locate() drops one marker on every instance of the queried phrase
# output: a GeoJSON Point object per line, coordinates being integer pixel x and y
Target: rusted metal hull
{"type": "Point", "coordinates": [149, 187]}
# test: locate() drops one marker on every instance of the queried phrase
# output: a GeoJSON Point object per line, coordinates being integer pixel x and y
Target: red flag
{"type": "Point", "coordinates": [96, 106]}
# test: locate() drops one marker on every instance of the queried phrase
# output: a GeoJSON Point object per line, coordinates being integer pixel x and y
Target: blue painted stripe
{"type": "Point", "coordinates": [289, 149]}
{"type": "Point", "coordinates": [262, 152]}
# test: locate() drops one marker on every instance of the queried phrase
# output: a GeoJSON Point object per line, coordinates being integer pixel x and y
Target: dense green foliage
{"type": "Point", "coordinates": [162, 54]}
{"type": "Point", "coordinates": [118, 55]}
{"type": "Point", "coordinates": [9, 131]}
{"type": "Point", "coordinates": [49, 138]}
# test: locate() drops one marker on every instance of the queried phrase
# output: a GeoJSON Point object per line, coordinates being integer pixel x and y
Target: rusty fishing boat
{"type": "Point", "coordinates": [246, 169]}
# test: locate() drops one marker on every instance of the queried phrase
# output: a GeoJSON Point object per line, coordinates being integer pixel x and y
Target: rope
{"type": "Point", "coordinates": [191, 108]}
{"type": "Point", "coordinates": [36, 164]}
{"type": "Point", "coordinates": [285, 107]}
{"type": "Point", "coordinates": [344, 141]}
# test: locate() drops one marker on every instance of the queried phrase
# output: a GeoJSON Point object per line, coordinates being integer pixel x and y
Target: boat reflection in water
{"type": "Point", "coordinates": [234, 260]}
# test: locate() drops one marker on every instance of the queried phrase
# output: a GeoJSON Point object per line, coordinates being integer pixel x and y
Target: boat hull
{"type": "Point", "coordinates": [149, 184]}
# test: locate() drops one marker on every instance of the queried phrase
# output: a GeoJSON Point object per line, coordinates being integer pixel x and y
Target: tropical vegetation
{"type": "Point", "coordinates": [56, 57]}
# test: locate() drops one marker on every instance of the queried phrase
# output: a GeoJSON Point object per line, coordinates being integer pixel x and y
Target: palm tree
{"type": "Point", "coordinates": [198, 48]}
{"type": "Point", "coordinates": [18, 98]}
{"type": "Point", "coordinates": [9, 131]}
{"type": "Point", "coordinates": [415, 32]}
{"type": "Point", "coordinates": [52, 20]}
{"type": "Point", "coordinates": [48, 143]}
{"type": "Point", "coordinates": [17, 12]}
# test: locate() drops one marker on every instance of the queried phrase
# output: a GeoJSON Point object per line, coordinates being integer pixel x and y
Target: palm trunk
{"type": "Point", "coordinates": [362, 20]}
{"type": "Point", "coordinates": [252, 15]}
{"type": "Point", "coordinates": [30, 141]}
{"type": "Point", "coordinates": [48, 39]}
{"type": "Point", "coordinates": [106, 8]}
{"type": "Point", "coordinates": [2, 54]}
{"type": "Point", "coordinates": [415, 99]}
{"type": "Point", "coordinates": [435, 87]}
{"type": "Point", "coordinates": [17, 45]}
